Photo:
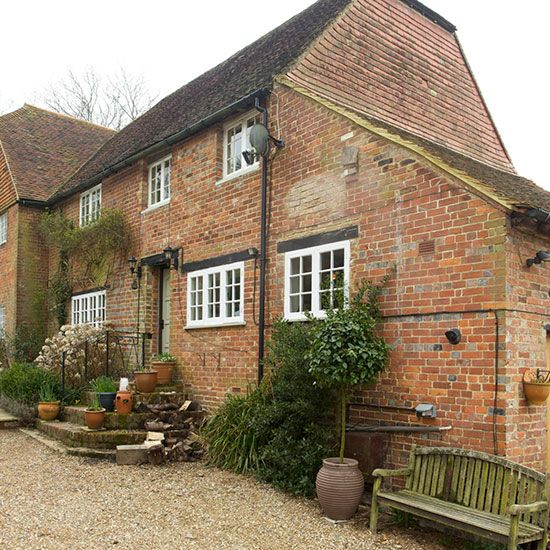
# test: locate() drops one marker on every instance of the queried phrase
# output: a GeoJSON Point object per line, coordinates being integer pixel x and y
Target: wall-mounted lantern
{"type": "Point", "coordinates": [171, 255]}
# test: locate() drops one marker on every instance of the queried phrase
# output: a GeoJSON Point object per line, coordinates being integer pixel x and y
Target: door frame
{"type": "Point", "coordinates": [160, 320]}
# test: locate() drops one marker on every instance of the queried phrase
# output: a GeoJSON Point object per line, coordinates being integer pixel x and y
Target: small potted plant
{"type": "Point", "coordinates": [94, 415]}
{"type": "Point", "coordinates": [163, 363]}
{"type": "Point", "coordinates": [146, 379]}
{"type": "Point", "coordinates": [536, 386]}
{"type": "Point", "coordinates": [105, 388]}
{"type": "Point", "coordinates": [48, 402]}
{"type": "Point", "coordinates": [346, 352]}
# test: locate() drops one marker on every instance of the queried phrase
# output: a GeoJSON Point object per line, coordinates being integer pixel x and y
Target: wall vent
{"type": "Point", "coordinates": [426, 247]}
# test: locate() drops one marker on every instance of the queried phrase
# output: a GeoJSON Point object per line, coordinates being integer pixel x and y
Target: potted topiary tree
{"type": "Point", "coordinates": [346, 352]}
{"type": "Point", "coordinates": [163, 363]}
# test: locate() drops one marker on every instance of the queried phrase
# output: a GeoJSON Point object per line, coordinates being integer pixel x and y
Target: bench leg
{"type": "Point", "coordinates": [542, 544]}
{"type": "Point", "coordinates": [374, 505]}
{"type": "Point", "coordinates": [513, 538]}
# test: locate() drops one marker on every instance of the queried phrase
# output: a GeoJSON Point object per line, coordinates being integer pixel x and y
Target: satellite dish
{"type": "Point", "coordinates": [259, 139]}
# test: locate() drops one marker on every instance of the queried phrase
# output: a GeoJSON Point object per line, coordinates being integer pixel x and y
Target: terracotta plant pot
{"type": "Point", "coordinates": [339, 488]}
{"type": "Point", "coordinates": [146, 382]}
{"type": "Point", "coordinates": [536, 393]}
{"type": "Point", "coordinates": [536, 388]}
{"type": "Point", "coordinates": [164, 369]}
{"type": "Point", "coordinates": [94, 419]}
{"type": "Point", "coordinates": [48, 410]}
{"type": "Point", "coordinates": [123, 402]}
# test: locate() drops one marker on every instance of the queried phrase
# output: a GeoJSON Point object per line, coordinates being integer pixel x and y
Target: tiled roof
{"type": "Point", "coordinates": [246, 72]}
{"type": "Point", "coordinates": [420, 86]}
{"type": "Point", "coordinates": [388, 60]}
{"type": "Point", "coordinates": [43, 148]}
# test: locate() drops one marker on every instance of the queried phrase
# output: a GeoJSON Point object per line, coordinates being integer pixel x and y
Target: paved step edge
{"type": "Point", "coordinates": [59, 447]}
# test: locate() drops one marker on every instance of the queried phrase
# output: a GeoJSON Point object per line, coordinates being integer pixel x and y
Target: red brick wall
{"type": "Point", "coordinates": [398, 201]}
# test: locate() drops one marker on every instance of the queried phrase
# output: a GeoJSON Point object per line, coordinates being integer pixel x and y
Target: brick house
{"type": "Point", "coordinates": [38, 151]}
{"type": "Point", "coordinates": [390, 158]}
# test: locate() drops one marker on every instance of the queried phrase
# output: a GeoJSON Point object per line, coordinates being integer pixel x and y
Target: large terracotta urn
{"type": "Point", "coordinates": [340, 488]}
{"type": "Point", "coordinates": [146, 381]}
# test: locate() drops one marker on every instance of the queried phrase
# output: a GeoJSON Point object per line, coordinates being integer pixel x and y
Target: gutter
{"type": "Point", "coordinates": [31, 203]}
{"type": "Point", "coordinates": [174, 138]}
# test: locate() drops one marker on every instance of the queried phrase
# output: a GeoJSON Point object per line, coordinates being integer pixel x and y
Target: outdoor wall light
{"type": "Point", "coordinates": [540, 256]}
{"type": "Point", "coordinates": [132, 262]}
{"type": "Point", "coordinates": [171, 255]}
{"type": "Point", "coordinates": [253, 252]}
{"type": "Point", "coordinates": [454, 336]}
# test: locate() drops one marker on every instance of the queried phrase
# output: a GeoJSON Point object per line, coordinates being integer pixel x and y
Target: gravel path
{"type": "Point", "coordinates": [49, 500]}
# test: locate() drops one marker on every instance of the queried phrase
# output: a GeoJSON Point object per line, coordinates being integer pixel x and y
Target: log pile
{"type": "Point", "coordinates": [172, 435]}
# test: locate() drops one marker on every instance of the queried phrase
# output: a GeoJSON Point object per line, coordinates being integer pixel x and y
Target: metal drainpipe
{"type": "Point", "coordinates": [263, 253]}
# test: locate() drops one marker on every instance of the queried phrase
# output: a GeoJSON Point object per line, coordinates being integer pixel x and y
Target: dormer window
{"type": "Point", "coordinates": [159, 182]}
{"type": "Point", "coordinates": [235, 139]}
{"type": "Point", "coordinates": [90, 205]}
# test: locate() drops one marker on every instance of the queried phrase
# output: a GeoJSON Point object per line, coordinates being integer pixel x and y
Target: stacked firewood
{"type": "Point", "coordinates": [172, 435]}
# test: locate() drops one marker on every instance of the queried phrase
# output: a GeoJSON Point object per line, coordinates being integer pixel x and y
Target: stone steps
{"type": "Point", "coordinates": [113, 421]}
{"type": "Point", "coordinates": [164, 394]}
{"type": "Point", "coordinates": [76, 435]}
{"type": "Point", "coordinates": [8, 421]}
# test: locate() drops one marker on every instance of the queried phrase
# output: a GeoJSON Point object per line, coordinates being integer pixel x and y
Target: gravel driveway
{"type": "Point", "coordinates": [49, 500]}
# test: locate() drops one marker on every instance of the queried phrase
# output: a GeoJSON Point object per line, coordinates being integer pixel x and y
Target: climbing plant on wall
{"type": "Point", "coordinates": [85, 254]}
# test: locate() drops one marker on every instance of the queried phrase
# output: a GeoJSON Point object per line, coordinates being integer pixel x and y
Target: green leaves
{"type": "Point", "coordinates": [345, 350]}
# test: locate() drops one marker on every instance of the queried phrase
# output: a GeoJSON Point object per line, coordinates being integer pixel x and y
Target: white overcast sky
{"type": "Point", "coordinates": [171, 42]}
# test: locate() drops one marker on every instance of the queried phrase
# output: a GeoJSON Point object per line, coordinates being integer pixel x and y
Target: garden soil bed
{"type": "Point", "coordinates": [56, 501]}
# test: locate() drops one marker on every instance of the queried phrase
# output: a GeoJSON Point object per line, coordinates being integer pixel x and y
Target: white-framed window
{"type": "Point", "coordinates": [316, 279]}
{"type": "Point", "coordinates": [235, 141]}
{"type": "Point", "coordinates": [159, 181]}
{"type": "Point", "coordinates": [215, 295]}
{"type": "Point", "coordinates": [89, 309]}
{"type": "Point", "coordinates": [3, 228]}
{"type": "Point", "coordinates": [90, 205]}
{"type": "Point", "coordinates": [2, 319]}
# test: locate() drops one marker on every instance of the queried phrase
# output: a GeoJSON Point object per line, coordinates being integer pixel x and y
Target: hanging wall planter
{"type": "Point", "coordinates": [536, 386]}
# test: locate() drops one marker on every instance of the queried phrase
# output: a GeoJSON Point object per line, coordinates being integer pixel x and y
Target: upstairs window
{"type": "Point", "coordinates": [215, 296]}
{"type": "Point", "coordinates": [89, 309]}
{"type": "Point", "coordinates": [316, 279]}
{"type": "Point", "coordinates": [159, 182]}
{"type": "Point", "coordinates": [4, 228]}
{"type": "Point", "coordinates": [90, 206]}
{"type": "Point", "coordinates": [235, 142]}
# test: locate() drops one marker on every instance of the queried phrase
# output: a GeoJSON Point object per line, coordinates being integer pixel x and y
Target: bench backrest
{"type": "Point", "coordinates": [477, 480]}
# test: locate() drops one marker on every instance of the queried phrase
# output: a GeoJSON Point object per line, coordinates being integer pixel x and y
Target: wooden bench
{"type": "Point", "coordinates": [478, 493]}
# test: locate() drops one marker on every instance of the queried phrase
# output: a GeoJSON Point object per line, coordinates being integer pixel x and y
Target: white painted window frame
{"type": "Point", "coordinates": [2, 320]}
{"type": "Point", "coordinates": [89, 308]}
{"type": "Point", "coordinates": [222, 319]}
{"type": "Point", "coordinates": [4, 228]}
{"type": "Point", "coordinates": [315, 252]}
{"type": "Point", "coordinates": [242, 122]}
{"type": "Point", "coordinates": [87, 212]}
{"type": "Point", "coordinates": [164, 195]}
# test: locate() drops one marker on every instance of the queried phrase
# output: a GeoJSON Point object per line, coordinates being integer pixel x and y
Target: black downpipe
{"type": "Point", "coordinates": [263, 254]}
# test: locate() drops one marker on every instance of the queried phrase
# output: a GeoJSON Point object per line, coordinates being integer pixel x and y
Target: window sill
{"type": "Point", "coordinates": [242, 172]}
{"type": "Point", "coordinates": [155, 206]}
{"type": "Point", "coordinates": [216, 325]}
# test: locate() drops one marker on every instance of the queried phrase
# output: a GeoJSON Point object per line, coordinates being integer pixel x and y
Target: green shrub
{"type": "Point", "coordinates": [23, 381]}
{"type": "Point", "coordinates": [232, 442]}
{"type": "Point", "coordinates": [279, 432]}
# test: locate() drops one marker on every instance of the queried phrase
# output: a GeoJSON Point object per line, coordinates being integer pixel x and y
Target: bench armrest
{"type": "Point", "coordinates": [517, 509]}
{"type": "Point", "coordinates": [403, 472]}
